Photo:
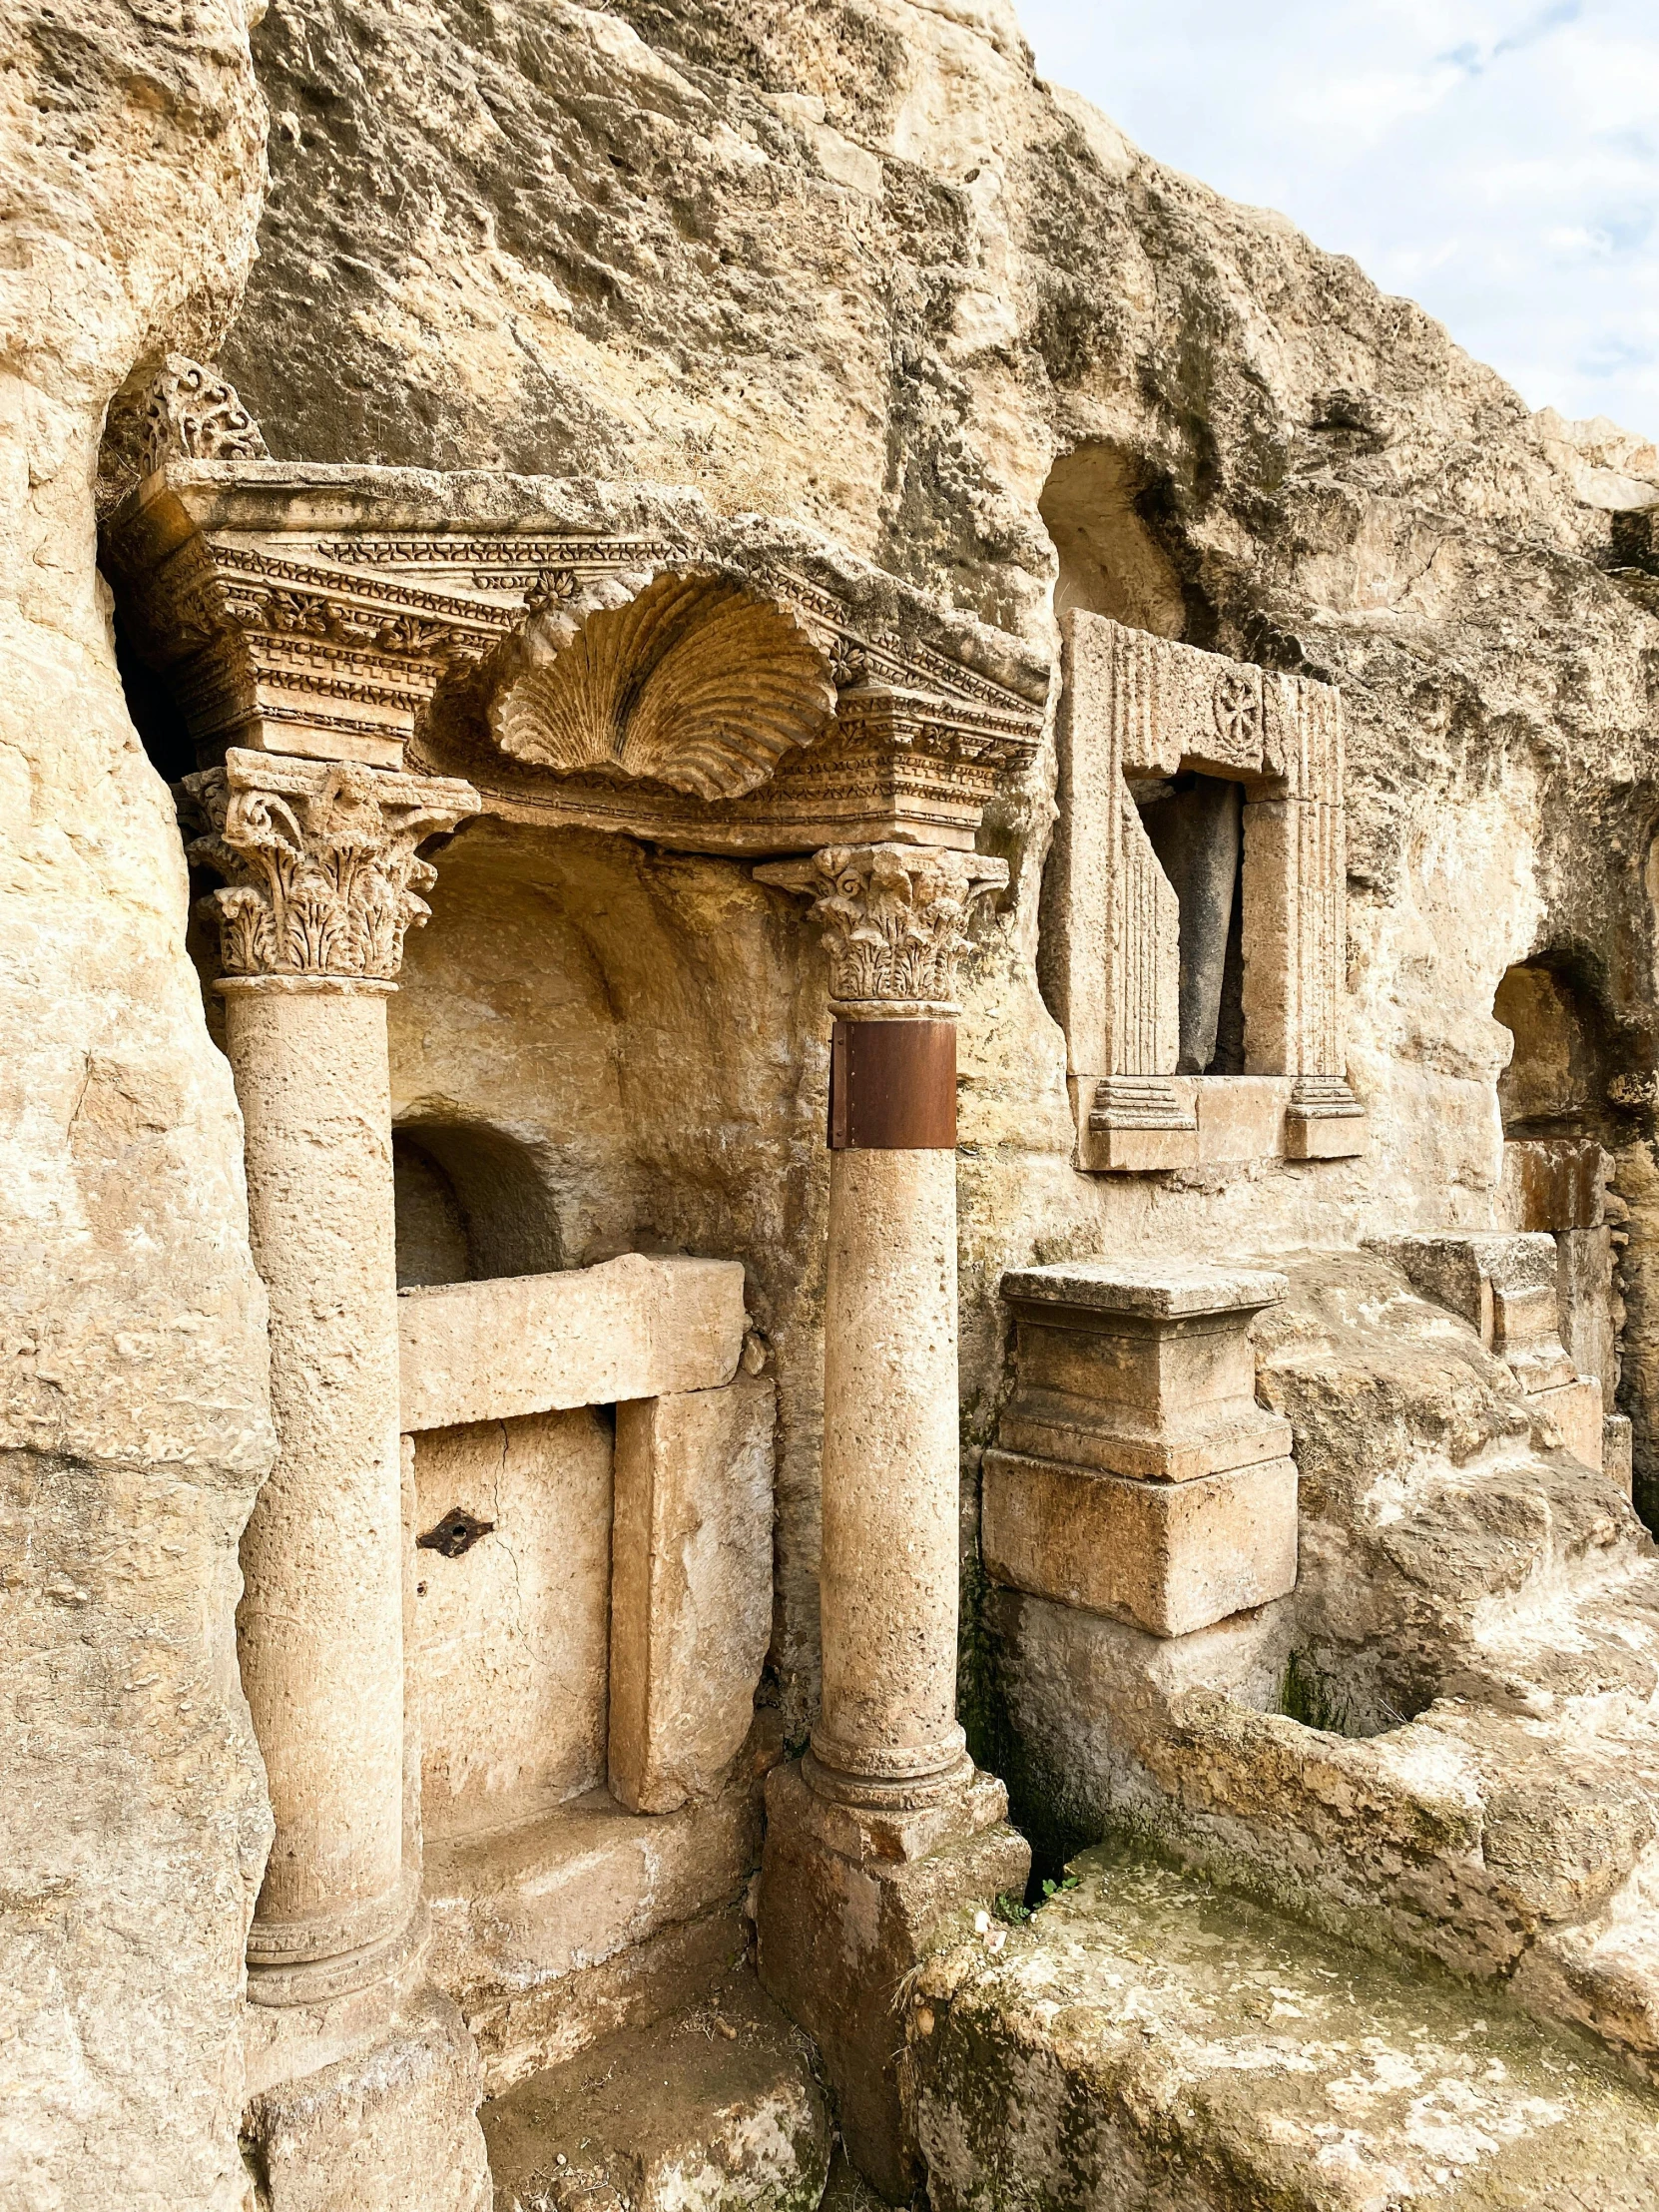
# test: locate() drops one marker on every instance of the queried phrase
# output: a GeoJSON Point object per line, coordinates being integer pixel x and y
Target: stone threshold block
{"type": "Point", "coordinates": [538, 1344]}
{"type": "Point", "coordinates": [713, 2109]}
{"type": "Point", "coordinates": [1170, 1558]}
{"type": "Point", "coordinates": [1139, 1367]}
{"type": "Point", "coordinates": [588, 1918]}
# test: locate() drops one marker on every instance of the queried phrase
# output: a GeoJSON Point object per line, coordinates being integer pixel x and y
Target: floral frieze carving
{"type": "Point", "coordinates": [322, 875]}
{"type": "Point", "coordinates": [894, 921]}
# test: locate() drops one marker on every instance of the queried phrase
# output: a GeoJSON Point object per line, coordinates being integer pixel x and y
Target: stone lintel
{"type": "Point", "coordinates": [631, 1327]}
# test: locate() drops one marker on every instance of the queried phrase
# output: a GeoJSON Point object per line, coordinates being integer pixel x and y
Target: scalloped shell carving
{"type": "Point", "coordinates": [698, 683]}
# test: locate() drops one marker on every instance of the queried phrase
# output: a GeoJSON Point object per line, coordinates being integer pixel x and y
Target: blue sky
{"type": "Point", "coordinates": [1497, 162]}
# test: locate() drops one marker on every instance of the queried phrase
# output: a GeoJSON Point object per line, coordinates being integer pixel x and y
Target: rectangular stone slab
{"type": "Point", "coordinates": [1151, 2045]}
{"type": "Point", "coordinates": [691, 1587]}
{"type": "Point", "coordinates": [1169, 1557]}
{"type": "Point", "coordinates": [539, 1343]}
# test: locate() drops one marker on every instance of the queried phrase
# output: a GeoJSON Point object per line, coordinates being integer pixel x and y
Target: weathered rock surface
{"type": "Point", "coordinates": [133, 1825]}
{"type": "Point", "coordinates": [856, 267]}
{"type": "Point", "coordinates": [862, 268]}
{"type": "Point", "coordinates": [1443, 1740]}
{"type": "Point", "coordinates": [715, 2109]}
{"type": "Point", "coordinates": [1148, 2044]}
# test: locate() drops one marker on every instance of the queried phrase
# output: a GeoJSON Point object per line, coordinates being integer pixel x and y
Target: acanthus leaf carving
{"type": "Point", "coordinates": [323, 874]}
{"type": "Point", "coordinates": [894, 918]}
{"type": "Point", "coordinates": [194, 414]}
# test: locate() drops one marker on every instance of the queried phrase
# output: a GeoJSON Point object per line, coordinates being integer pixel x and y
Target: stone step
{"type": "Point", "coordinates": [1148, 2042]}
{"type": "Point", "coordinates": [715, 2109]}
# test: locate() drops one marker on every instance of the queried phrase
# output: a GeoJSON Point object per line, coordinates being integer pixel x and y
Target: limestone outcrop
{"type": "Point", "coordinates": [834, 734]}
{"type": "Point", "coordinates": [133, 1817]}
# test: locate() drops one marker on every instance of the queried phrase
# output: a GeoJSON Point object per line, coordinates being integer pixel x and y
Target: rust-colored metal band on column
{"type": "Point", "coordinates": [893, 1086]}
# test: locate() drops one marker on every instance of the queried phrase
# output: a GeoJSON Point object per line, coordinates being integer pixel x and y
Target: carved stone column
{"type": "Point", "coordinates": [322, 885]}
{"type": "Point", "coordinates": [845, 1912]}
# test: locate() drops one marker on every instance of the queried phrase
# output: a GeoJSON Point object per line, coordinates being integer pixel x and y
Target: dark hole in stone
{"type": "Point", "coordinates": [456, 1533]}
{"type": "Point", "coordinates": [155, 717]}
{"type": "Point", "coordinates": [1197, 831]}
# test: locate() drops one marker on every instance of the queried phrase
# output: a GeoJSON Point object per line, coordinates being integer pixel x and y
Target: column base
{"type": "Point", "coordinates": [1324, 1121]}
{"type": "Point", "coordinates": [366, 2103]}
{"type": "Point", "coordinates": [852, 1898]}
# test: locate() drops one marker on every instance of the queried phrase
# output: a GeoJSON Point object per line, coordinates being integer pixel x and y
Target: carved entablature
{"type": "Point", "coordinates": [613, 659]}
{"type": "Point", "coordinates": [1254, 756]}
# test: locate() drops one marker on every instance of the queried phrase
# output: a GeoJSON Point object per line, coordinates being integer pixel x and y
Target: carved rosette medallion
{"type": "Point", "coordinates": [895, 921]}
{"type": "Point", "coordinates": [322, 876]}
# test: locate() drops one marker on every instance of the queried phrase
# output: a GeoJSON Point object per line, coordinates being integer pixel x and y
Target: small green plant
{"type": "Point", "coordinates": [1012, 1909]}
{"type": "Point", "coordinates": [1053, 1888]}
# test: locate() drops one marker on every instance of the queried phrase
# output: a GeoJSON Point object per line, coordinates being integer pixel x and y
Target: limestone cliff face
{"type": "Point", "coordinates": [133, 1428]}
{"type": "Point", "coordinates": [857, 264]}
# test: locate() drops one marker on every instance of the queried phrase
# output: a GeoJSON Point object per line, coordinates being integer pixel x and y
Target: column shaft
{"type": "Point", "coordinates": [321, 1624]}
{"type": "Point", "coordinates": [888, 1577]}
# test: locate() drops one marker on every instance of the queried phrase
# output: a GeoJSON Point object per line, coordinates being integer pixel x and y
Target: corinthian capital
{"type": "Point", "coordinates": [895, 921]}
{"type": "Point", "coordinates": [322, 876]}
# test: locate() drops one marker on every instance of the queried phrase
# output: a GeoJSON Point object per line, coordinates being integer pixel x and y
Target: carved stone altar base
{"type": "Point", "coordinates": [1135, 1473]}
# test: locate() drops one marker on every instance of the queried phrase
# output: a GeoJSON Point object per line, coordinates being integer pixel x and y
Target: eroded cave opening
{"type": "Point", "coordinates": [1196, 826]}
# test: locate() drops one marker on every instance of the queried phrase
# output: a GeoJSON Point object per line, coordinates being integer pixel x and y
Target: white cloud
{"type": "Point", "coordinates": [1497, 158]}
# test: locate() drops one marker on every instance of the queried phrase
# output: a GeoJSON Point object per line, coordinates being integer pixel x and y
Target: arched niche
{"type": "Point", "coordinates": [1555, 1084]}
{"type": "Point", "coordinates": [1109, 561]}
{"type": "Point", "coordinates": [471, 1205]}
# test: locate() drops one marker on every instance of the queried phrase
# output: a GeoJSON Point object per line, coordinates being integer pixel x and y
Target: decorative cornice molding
{"type": "Point", "coordinates": [725, 684]}
{"type": "Point", "coordinates": [322, 875]}
{"type": "Point", "coordinates": [895, 921]}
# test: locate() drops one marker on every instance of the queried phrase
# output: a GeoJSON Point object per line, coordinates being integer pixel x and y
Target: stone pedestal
{"type": "Point", "coordinates": [1136, 1475]}
{"type": "Point", "coordinates": [849, 1905]}
{"type": "Point", "coordinates": [363, 2091]}
{"type": "Point", "coordinates": [883, 1839]}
